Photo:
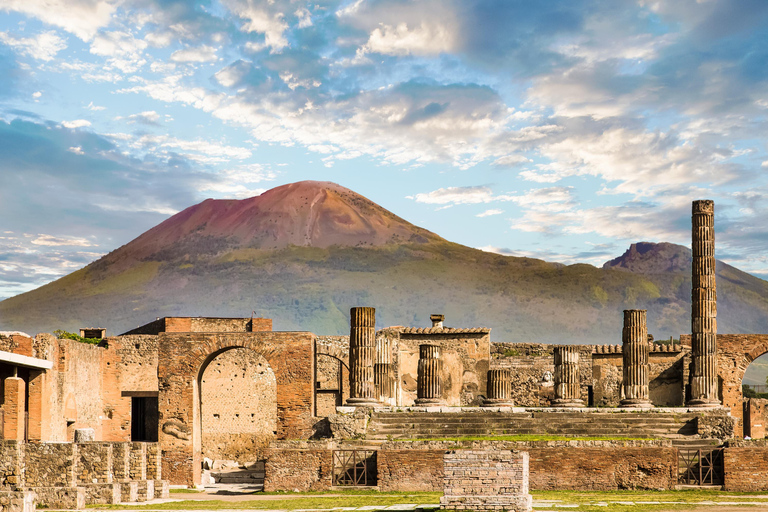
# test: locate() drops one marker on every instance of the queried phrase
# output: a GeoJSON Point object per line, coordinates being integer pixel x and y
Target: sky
{"type": "Point", "coordinates": [562, 130]}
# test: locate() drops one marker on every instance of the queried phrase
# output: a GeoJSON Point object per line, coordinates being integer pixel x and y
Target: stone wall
{"type": "Point", "coordinates": [300, 466]}
{"type": "Point", "coordinates": [746, 466]}
{"type": "Point", "coordinates": [410, 470]}
{"type": "Point", "coordinates": [238, 406]}
{"type": "Point", "coordinates": [563, 465]}
{"type": "Point", "coordinates": [50, 464]}
{"type": "Point", "coordinates": [755, 417]}
{"type": "Point", "coordinates": [466, 361]}
{"type": "Point", "coordinates": [10, 465]}
{"type": "Point", "coordinates": [332, 384]}
{"type": "Point", "coordinates": [203, 324]}
{"type": "Point", "coordinates": [485, 480]}
{"type": "Point", "coordinates": [530, 363]}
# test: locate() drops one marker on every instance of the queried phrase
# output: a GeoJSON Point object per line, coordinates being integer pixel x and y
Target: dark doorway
{"type": "Point", "coordinates": [144, 418]}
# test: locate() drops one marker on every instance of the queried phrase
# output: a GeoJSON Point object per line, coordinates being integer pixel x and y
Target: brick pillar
{"type": "Point", "coordinates": [39, 410]}
{"type": "Point", "coordinates": [704, 392]}
{"type": "Point", "coordinates": [429, 388]}
{"type": "Point", "coordinates": [383, 372]}
{"type": "Point", "coordinates": [15, 395]}
{"type": "Point", "coordinates": [362, 354]}
{"type": "Point", "coordinates": [499, 389]}
{"type": "Point", "coordinates": [635, 351]}
{"type": "Point", "coordinates": [567, 381]}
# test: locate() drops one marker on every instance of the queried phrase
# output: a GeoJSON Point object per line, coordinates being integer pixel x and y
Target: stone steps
{"type": "Point", "coordinates": [423, 425]}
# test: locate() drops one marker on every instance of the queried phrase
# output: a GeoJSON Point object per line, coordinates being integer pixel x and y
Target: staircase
{"type": "Point", "coordinates": [425, 425]}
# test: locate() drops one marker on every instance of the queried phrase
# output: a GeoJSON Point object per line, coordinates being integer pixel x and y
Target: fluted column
{"type": "Point", "coordinates": [567, 381]}
{"type": "Point", "coordinates": [499, 389]}
{"type": "Point", "coordinates": [635, 352]}
{"type": "Point", "coordinates": [362, 353]}
{"type": "Point", "coordinates": [383, 372]}
{"type": "Point", "coordinates": [704, 392]}
{"type": "Point", "coordinates": [429, 382]}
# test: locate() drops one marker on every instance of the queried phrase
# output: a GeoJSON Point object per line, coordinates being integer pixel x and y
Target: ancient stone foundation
{"type": "Point", "coordinates": [429, 382]}
{"type": "Point", "coordinates": [485, 480]}
{"type": "Point", "coordinates": [362, 354]}
{"type": "Point", "coordinates": [567, 385]}
{"type": "Point", "coordinates": [499, 389]}
{"type": "Point", "coordinates": [635, 353]}
{"type": "Point", "coordinates": [704, 389]}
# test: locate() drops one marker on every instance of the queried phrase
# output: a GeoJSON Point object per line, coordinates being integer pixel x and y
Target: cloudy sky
{"type": "Point", "coordinates": [563, 130]}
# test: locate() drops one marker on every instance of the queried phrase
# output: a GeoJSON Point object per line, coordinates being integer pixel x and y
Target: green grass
{"type": "Point", "coordinates": [184, 491]}
{"type": "Point", "coordinates": [314, 501]}
{"type": "Point", "coordinates": [527, 437]}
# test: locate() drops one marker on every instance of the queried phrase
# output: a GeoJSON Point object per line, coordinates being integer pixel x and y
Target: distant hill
{"type": "Point", "coordinates": [304, 253]}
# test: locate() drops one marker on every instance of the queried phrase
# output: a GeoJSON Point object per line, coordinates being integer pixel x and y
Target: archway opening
{"type": "Point", "coordinates": [754, 388]}
{"type": "Point", "coordinates": [331, 386]}
{"type": "Point", "coordinates": [238, 408]}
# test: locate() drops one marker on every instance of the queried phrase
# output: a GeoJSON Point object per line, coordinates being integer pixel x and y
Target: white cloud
{"type": "Point", "coordinates": [263, 19]}
{"type": "Point", "coordinates": [43, 47]}
{"type": "Point", "coordinates": [488, 213]}
{"type": "Point", "coordinates": [77, 123]}
{"type": "Point", "coordinates": [37, 94]}
{"type": "Point", "coordinates": [458, 195]}
{"type": "Point", "coordinates": [78, 150]}
{"type": "Point", "coordinates": [764, 164]}
{"type": "Point", "coordinates": [54, 241]}
{"type": "Point", "coordinates": [95, 108]}
{"type": "Point", "coordinates": [304, 16]}
{"type": "Point", "coordinates": [424, 39]}
{"type": "Point", "coordinates": [80, 17]}
{"type": "Point", "coordinates": [122, 49]}
{"type": "Point", "coordinates": [200, 54]}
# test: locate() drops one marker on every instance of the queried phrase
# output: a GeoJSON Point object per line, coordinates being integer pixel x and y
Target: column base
{"type": "Point", "coordinates": [362, 402]}
{"type": "Point", "coordinates": [635, 403]}
{"type": "Point", "coordinates": [703, 403]}
{"type": "Point", "coordinates": [497, 402]}
{"type": "Point", "coordinates": [428, 402]}
{"type": "Point", "coordinates": [568, 402]}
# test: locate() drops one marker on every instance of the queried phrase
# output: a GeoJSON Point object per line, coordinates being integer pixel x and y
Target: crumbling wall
{"type": "Point", "coordinates": [299, 465]}
{"type": "Point", "coordinates": [239, 406]}
{"type": "Point", "coordinates": [332, 380]}
{"type": "Point", "coordinates": [466, 360]}
{"type": "Point", "coordinates": [745, 465]}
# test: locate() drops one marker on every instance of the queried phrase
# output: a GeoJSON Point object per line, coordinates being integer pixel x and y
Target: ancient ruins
{"type": "Point", "coordinates": [174, 401]}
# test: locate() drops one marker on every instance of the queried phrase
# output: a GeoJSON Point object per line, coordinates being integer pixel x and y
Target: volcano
{"type": "Point", "coordinates": [304, 253]}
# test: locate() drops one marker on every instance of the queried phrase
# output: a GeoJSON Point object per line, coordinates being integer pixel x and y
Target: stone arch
{"type": "Point", "coordinates": [238, 405]}
{"type": "Point", "coordinates": [182, 357]}
{"type": "Point", "coordinates": [735, 353]}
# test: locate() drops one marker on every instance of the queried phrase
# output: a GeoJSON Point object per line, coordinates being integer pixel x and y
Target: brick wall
{"type": "Point", "coordinates": [485, 480]}
{"type": "Point", "coordinates": [746, 466]}
{"type": "Point", "coordinates": [301, 466]}
{"type": "Point", "coordinates": [576, 465]}
{"type": "Point", "coordinates": [239, 406]}
{"type": "Point", "coordinates": [410, 470]}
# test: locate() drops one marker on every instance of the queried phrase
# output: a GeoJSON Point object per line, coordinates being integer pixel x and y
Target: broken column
{"type": "Point", "coordinates": [635, 352]}
{"type": "Point", "coordinates": [383, 372]}
{"type": "Point", "coordinates": [704, 392]}
{"type": "Point", "coordinates": [362, 353]}
{"type": "Point", "coordinates": [499, 389]}
{"type": "Point", "coordinates": [567, 381]}
{"type": "Point", "coordinates": [429, 387]}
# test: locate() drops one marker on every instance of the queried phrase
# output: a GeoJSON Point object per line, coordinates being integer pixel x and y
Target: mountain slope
{"type": "Point", "coordinates": [303, 254]}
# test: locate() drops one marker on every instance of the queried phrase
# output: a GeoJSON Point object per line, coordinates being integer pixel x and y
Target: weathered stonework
{"type": "Point", "coordinates": [635, 352]}
{"type": "Point", "coordinates": [567, 383]}
{"type": "Point", "coordinates": [429, 391]}
{"type": "Point", "coordinates": [499, 388]}
{"type": "Point", "coordinates": [485, 480]}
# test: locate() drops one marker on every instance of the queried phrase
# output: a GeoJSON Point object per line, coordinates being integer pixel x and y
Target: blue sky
{"type": "Point", "coordinates": [559, 130]}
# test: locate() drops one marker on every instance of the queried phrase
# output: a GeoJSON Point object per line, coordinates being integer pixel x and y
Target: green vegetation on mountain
{"type": "Point", "coordinates": [207, 264]}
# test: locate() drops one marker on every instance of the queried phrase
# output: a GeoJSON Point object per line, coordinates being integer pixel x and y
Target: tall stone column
{"type": "Point", "coordinates": [499, 389]}
{"type": "Point", "coordinates": [635, 352]}
{"type": "Point", "coordinates": [567, 381]}
{"type": "Point", "coordinates": [704, 392]}
{"type": "Point", "coordinates": [362, 353]}
{"type": "Point", "coordinates": [429, 386]}
{"type": "Point", "coordinates": [383, 372]}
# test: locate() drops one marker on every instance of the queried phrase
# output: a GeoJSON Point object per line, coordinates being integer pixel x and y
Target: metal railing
{"type": "Point", "coordinates": [701, 467]}
{"type": "Point", "coordinates": [356, 468]}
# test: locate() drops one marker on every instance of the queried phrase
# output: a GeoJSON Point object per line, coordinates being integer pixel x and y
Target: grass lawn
{"type": "Point", "coordinates": [625, 501]}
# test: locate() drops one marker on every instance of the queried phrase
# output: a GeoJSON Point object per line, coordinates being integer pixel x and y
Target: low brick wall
{"type": "Point", "coordinates": [302, 466]}
{"type": "Point", "coordinates": [485, 480]}
{"type": "Point", "coordinates": [561, 465]}
{"type": "Point", "coordinates": [746, 465]}
{"type": "Point", "coordinates": [410, 470]}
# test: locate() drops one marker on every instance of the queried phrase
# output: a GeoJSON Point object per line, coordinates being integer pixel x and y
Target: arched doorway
{"type": "Point", "coordinates": [238, 406]}
{"type": "Point", "coordinates": [755, 391]}
{"type": "Point", "coordinates": [332, 385]}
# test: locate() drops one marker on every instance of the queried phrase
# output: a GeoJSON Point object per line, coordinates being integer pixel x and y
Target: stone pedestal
{"type": "Point", "coordinates": [362, 354]}
{"type": "Point", "coordinates": [703, 384]}
{"type": "Point", "coordinates": [567, 381]}
{"type": "Point", "coordinates": [499, 389]}
{"type": "Point", "coordinates": [429, 382]}
{"type": "Point", "coordinates": [635, 353]}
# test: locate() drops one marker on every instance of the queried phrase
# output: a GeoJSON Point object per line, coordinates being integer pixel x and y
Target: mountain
{"type": "Point", "coordinates": [304, 253]}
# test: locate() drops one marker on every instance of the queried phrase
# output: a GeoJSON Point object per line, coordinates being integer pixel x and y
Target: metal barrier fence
{"type": "Point", "coordinates": [701, 467]}
{"type": "Point", "coordinates": [356, 468]}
